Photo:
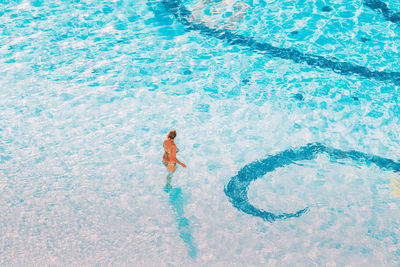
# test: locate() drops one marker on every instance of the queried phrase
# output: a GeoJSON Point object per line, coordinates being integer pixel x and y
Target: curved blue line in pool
{"type": "Point", "coordinates": [182, 14]}
{"type": "Point", "coordinates": [389, 14]}
{"type": "Point", "coordinates": [238, 186]}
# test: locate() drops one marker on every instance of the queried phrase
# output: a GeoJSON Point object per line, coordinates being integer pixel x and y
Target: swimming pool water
{"type": "Point", "coordinates": [89, 89]}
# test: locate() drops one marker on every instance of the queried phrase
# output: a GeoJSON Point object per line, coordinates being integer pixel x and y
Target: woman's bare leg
{"type": "Point", "coordinates": [169, 178]}
{"type": "Point", "coordinates": [171, 168]}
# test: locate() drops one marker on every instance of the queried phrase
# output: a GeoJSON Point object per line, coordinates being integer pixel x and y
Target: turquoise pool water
{"type": "Point", "coordinates": [293, 111]}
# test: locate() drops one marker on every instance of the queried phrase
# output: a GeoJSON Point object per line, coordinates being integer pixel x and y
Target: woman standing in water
{"type": "Point", "coordinates": [170, 150]}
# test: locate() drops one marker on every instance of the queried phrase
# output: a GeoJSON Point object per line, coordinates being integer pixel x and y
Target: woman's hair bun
{"type": "Point", "coordinates": [172, 134]}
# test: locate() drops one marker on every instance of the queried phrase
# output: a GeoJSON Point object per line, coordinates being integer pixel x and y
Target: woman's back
{"type": "Point", "coordinates": [169, 149]}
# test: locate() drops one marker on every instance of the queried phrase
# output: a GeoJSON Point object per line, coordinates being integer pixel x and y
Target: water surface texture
{"type": "Point", "coordinates": [291, 110]}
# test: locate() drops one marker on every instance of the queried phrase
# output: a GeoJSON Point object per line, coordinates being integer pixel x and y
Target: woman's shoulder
{"type": "Point", "coordinates": [169, 143]}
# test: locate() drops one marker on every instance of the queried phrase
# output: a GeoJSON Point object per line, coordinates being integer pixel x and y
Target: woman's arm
{"type": "Point", "coordinates": [173, 157]}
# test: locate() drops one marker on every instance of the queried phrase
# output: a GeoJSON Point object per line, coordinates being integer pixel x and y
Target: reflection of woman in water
{"type": "Point", "coordinates": [170, 150]}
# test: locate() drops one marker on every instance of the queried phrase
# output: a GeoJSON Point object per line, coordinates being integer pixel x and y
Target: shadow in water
{"type": "Point", "coordinates": [177, 202]}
